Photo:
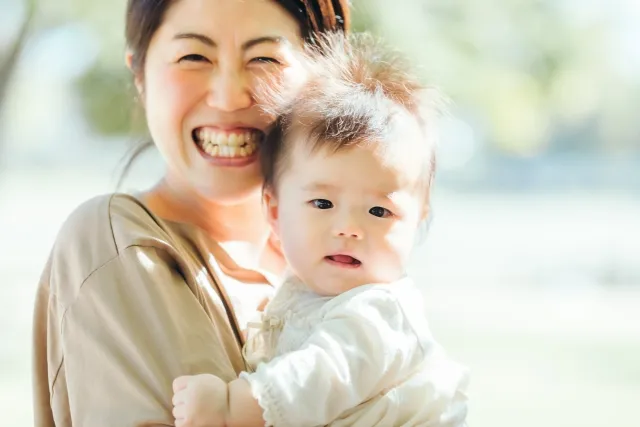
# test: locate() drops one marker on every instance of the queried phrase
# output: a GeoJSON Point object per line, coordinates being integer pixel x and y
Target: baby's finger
{"type": "Point", "coordinates": [178, 398]}
{"type": "Point", "coordinates": [180, 383]}
{"type": "Point", "coordinates": [179, 412]}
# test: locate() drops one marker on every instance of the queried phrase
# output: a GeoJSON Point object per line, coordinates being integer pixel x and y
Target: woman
{"type": "Point", "coordinates": [140, 290]}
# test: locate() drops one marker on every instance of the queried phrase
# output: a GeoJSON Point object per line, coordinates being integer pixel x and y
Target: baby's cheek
{"type": "Point", "coordinates": [397, 250]}
{"type": "Point", "coordinates": [295, 242]}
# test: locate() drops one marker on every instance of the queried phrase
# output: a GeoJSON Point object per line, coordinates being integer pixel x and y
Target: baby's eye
{"type": "Point", "coordinates": [380, 212]}
{"type": "Point", "coordinates": [322, 203]}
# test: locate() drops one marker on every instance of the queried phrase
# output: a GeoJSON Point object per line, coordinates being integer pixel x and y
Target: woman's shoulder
{"type": "Point", "coordinates": [100, 230]}
{"type": "Point", "coordinates": [111, 222]}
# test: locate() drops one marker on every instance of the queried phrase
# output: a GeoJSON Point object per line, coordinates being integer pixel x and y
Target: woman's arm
{"type": "Point", "coordinates": [133, 326]}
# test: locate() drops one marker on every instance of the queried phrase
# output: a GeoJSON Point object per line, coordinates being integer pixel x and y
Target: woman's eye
{"type": "Point", "coordinates": [265, 60]}
{"type": "Point", "coordinates": [193, 58]}
{"type": "Point", "coordinates": [322, 204]}
{"type": "Point", "coordinates": [380, 212]}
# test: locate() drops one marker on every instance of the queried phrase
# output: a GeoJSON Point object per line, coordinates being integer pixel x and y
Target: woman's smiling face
{"type": "Point", "coordinates": [200, 77]}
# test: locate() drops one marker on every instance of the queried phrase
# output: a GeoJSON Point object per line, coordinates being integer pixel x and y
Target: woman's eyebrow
{"type": "Point", "coordinates": [264, 39]}
{"type": "Point", "coordinates": [245, 46]}
{"type": "Point", "coordinates": [195, 36]}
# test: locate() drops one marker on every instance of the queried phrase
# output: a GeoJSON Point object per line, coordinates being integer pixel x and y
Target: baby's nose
{"type": "Point", "coordinates": [349, 230]}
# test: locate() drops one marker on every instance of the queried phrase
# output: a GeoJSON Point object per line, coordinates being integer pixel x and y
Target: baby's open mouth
{"type": "Point", "coordinates": [344, 261]}
{"type": "Point", "coordinates": [218, 143]}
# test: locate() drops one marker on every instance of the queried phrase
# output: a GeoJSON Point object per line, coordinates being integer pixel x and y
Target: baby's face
{"type": "Point", "coordinates": [348, 218]}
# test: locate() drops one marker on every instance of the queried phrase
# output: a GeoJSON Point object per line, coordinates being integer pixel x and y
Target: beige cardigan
{"type": "Point", "coordinates": [126, 303]}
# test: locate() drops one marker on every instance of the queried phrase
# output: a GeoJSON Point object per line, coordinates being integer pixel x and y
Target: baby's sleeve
{"type": "Point", "coordinates": [433, 397]}
{"type": "Point", "coordinates": [358, 350]}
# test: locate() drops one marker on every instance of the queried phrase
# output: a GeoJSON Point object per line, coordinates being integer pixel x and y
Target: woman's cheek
{"type": "Point", "coordinates": [171, 93]}
{"type": "Point", "coordinates": [183, 89]}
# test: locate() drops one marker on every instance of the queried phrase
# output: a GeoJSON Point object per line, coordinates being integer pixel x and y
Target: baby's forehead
{"type": "Point", "coordinates": [366, 167]}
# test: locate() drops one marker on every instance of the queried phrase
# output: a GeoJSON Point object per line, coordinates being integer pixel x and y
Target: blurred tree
{"type": "Point", "coordinates": [522, 69]}
{"type": "Point", "coordinates": [526, 73]}
{"type": "Point", "coordinates": [106, 90]}
{"type": "Point", "coordinates": [9, 59]}
{"type": "Point", "coordinates": [109, 102]}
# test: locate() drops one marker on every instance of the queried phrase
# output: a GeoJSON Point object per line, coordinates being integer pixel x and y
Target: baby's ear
{"type": "Point", "coordinates": [271, 205]}
{"type": "Point", "coordinates": [426, 212]}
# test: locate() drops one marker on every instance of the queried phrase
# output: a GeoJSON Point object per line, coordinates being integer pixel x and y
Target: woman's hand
{"type": "Point", "coordinates": [200, 400]}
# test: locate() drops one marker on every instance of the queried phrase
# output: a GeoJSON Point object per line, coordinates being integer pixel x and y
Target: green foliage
{"type": "Point", "coordinates": [522, 69]}
{"type": "Point", "coordinates": [531, 75]}
{"type": "Point", "coordinates": [108, 98]}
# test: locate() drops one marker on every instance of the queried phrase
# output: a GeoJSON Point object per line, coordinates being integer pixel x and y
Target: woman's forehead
{"type": "Point", "coordinates": [231, 21]}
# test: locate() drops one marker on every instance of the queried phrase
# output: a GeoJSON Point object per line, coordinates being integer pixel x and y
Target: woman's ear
{"type": "Point", "coordinates": [128, 59]}
{"type": "Point", "coordinates": [271, 205]}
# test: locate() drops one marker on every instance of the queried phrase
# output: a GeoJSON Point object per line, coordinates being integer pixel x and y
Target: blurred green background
{"type": "Point", "coordinates": [531, 267]}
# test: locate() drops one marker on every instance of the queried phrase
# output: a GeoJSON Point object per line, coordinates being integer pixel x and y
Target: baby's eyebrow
{"type": "Point", "coordinates": [392, 195]}
{"type": "Point", "coordinates": [319, 186]}
{"type": "Point", "coordinates": [324, 186]}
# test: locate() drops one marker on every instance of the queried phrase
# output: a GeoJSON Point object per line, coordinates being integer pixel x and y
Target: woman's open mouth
{"type": "Point", "coordinates": [234, 144]}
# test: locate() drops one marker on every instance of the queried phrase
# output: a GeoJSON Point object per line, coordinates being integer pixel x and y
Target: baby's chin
{"type": "Point", "coordinates": [335, 285]}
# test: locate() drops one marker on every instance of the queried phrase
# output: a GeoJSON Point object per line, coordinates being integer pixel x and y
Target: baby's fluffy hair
{"type": "Point", "coordinates": [354, 88]}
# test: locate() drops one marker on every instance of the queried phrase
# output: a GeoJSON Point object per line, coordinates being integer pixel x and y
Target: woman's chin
{"type": "Point", "coordinates": [229, 191]}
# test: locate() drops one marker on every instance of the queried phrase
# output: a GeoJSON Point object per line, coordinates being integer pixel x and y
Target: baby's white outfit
{"type": "Point", "coordinates": [364, 358]}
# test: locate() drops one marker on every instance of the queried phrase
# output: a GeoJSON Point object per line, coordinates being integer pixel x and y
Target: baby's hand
{"type": "Point", "coordinates": [200, 400]}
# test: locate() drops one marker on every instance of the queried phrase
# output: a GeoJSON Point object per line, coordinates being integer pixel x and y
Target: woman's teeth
{"type": "Point", "coordinates": [222, 144]}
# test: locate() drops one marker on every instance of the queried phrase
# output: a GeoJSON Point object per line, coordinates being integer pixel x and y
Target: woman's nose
{"type": "Point", "coordinates": [229, 90]}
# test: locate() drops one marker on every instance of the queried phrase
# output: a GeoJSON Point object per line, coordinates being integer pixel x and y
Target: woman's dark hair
{"type": "Point", "coordinates": [144, 17]}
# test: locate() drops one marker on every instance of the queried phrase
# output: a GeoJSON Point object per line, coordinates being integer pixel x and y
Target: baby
{"type": "Point", "coordinates": [344, 341]}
